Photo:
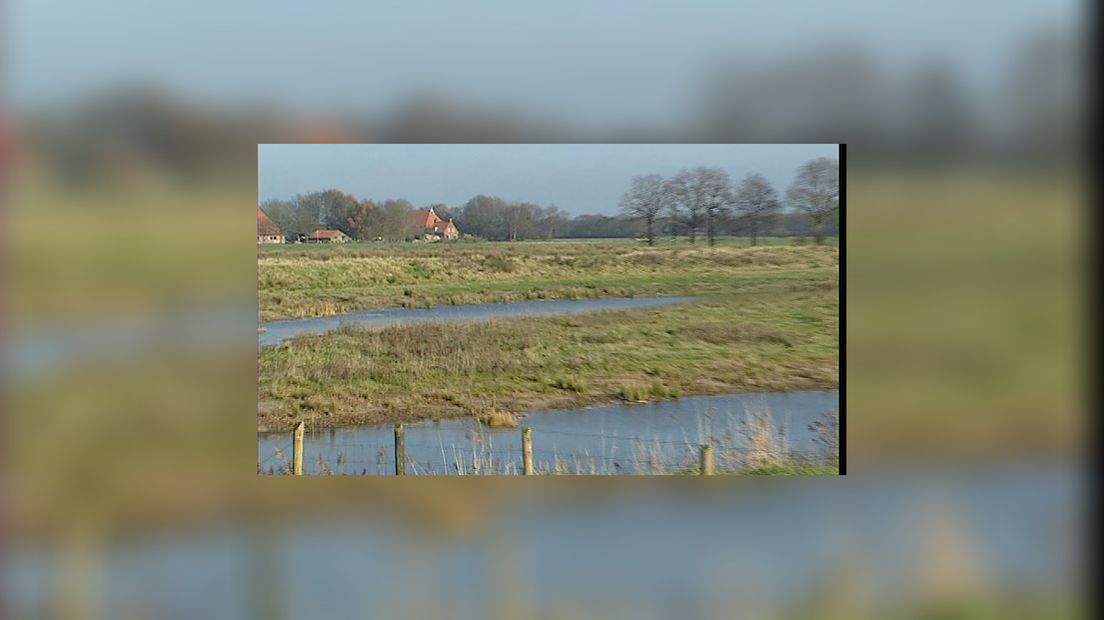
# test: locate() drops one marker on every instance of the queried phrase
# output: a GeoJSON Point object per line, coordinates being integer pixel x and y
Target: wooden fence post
{"type": "Point", "coordinates": [707, 460]}
{"type": "Point", "coordinates": [400, 451]}
{"type": "Point", "coordinates": [297, 450]}
{"type": "Point", "coordinates": [527, 451]}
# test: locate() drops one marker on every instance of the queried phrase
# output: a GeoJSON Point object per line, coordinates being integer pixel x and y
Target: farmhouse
{"type": "Point", "coordinates": [267, 230]}
{"type": "Point", "coordinates": [429, 225]}
{"type": "Point", "coordinates": [328, 236]}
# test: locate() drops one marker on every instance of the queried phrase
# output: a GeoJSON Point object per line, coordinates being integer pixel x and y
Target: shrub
{"type": "Point", "coordinates": [633, 393]}
{"type": "Point", "coordinates": [499, 419]}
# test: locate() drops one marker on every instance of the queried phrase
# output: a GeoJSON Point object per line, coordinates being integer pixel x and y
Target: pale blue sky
{"type": "Point", "coordinates": [580, 178]}
{"type": "Point", "coordinates": [586, 61]}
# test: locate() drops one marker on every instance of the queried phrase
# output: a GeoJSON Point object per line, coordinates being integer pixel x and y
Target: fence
{"type": "Point", "coordinates": [648, 456]}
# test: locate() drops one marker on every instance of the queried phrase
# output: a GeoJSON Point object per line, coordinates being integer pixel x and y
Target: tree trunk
{"type": "Point", "coordinates": [711, 231]}
{"type": "Point", "coordinates": [754, 235]}
{"type": "Point", "coordinates": [648, 226]}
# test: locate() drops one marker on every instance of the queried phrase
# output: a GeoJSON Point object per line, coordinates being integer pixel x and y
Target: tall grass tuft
{"type": "Point", "coordinates": [571, 383]}
{"type": "Point", "coordinates": [499, 419]}
{"type": "Point", "coordinates": [764, 448]}
{"type": "Point", "coordinates": [634, 393]}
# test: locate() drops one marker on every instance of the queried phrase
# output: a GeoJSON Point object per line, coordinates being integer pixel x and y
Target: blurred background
{"type": "Point", "coordinates": [128, 142]}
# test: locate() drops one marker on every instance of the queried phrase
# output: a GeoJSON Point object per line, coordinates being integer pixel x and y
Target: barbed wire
{"type": "Point", "coordinates": [608, 436]}
{"type": "Point", "coordinates": [549, 456]}
{"type": "Point", "coordinates": [510, 453]}
{"type": "Point", "coordinates": [275, 452]}
{"type": "Point", "coordinates": [537, 432]}
{"type": "Point", "coordinates": [388, 445]}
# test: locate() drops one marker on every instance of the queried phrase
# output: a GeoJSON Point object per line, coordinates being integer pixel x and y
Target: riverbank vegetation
{"type": "Point", "coordinates": [765, 319]}
{"type": "Point", "coordinates": [746, 443]}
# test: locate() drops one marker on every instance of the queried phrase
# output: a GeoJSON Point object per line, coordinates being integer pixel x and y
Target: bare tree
{"type": "Point", "coordinates": [685, 209]}
{"type": "Point", "coordinates": [815, 192]}
{"type": "Point", "coordinates": [674, 220]}
{"type": "Point", "coordinates": [645, 200]}
{"type": "Point", "coordinates": [716, 194]}
{"type": "Point", "coordinates": [704, 195]}
{"type": "Point", "coordinates": [551, 218]}
{"type": "Point", "coordinates": [757, 203]}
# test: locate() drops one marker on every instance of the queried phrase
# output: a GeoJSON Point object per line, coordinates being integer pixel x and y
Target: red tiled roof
{"type": "Point", "coordinates": [425, 218]}
{"type": "Point", "coordinates": [266, 226]}
{"type": "Point", "coordinates": [325, 234]}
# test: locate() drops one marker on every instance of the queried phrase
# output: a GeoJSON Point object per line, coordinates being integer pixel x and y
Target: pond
{"type": "Point", "coordinates": [658, 437]}
{"type": "Point", "coordinates": [275, 332]}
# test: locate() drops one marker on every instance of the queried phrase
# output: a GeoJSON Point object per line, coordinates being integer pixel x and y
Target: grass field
{"type": "Point", "coordinates": [319, 280]}
{"type": "Point", "coordinates": [767, 319]}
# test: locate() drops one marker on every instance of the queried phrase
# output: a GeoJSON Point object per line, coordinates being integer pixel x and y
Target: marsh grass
{"type": "Point", "coordinates": [571, 383]}
{"type": "Point", "coordinates": [322, 281]}
{"type": "Point", "coordinates": [635, 393]}
{"type": "Point", "coordinates": [406, 373]}
{"type": "Point", "coordinates": [765, 319]}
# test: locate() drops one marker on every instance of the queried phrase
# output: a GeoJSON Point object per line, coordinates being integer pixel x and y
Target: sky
{"type": "Point", "coordinates": [579, 178]}
{"type": "Point", "coordinates": [587, 61]}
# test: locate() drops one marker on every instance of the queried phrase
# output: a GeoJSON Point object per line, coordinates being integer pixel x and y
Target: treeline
{"type": "Point", "coordinates": [694, 202]}
{"type": "Point", "coordinates": [392, 220]}
{"type": "Point", "coordinates": [485, 217]}
{"type": "Point", "coordinates": [496, 219]}
{"type": "Point", "coordinates": [704, 200]}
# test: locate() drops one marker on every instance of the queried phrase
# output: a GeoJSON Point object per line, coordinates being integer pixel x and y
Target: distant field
{"type": "Point", "coordinates": [725, 240]}
{"type": "Point", "coordinates": [319, 280]}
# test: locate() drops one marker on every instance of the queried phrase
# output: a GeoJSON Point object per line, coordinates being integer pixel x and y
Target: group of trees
{"type": "Point", "coordinates": [691, 202]}
{"type": "Point", "coordinates": [704, 198]}
{"type": "Point", "coordinates": [392, 220]}
{"type": "Point", "coordinates": [486, 217]}
{"type": "Point", "coordinates": [491, 217]}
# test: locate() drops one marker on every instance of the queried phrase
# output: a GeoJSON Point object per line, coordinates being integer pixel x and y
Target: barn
{"type": "Point", "coordinates": [267, 230]}
{"type": "Point", "coordinates": [323, 235]}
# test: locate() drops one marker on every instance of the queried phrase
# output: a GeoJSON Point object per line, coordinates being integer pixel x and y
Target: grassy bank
{"type": "Point", "coordinates": [757, 329]}
{"type": "Point", "coordinates": [310, 280]}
